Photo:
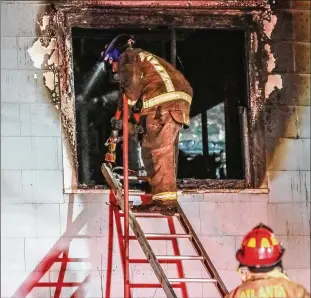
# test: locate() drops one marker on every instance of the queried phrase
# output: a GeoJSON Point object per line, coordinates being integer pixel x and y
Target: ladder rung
{"type": "Point", "coordinates": [55, 284]}
{"type": "Point", "coordinates": [180, 258]}
{"type": "Point", "coordinates": [163, 236]}
{"type": "Point", "coordinates": [202, 280]}
{"type": "Point", "coordinates": [72, 260]}
{"type": "Point", "coordinates": [145, 261]}
{"type": "Point", "coordinates": [150, 286]}
{"type": "Point", "coordinates": [150, 214]}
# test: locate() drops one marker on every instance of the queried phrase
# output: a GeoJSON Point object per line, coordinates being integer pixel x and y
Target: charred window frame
{"type": "Point", "coordinates": [248, 17]}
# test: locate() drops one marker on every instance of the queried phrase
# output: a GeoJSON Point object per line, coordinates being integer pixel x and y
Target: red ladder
{"type": "Point", "coordinates": [176, 258]}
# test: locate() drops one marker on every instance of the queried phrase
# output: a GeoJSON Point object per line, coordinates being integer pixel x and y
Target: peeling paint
{"type": "Point", "coordinates": [271, 59]}
{"type": "Point", "coordinates": [39, 52]}
{"type": "Point", "coordinates": [269, 25]}
{"type": "Point", "coordinates": [274, 81]}
{"type": "Point", "coordinates": [49, 80]}
{"type": "Point", "coordinates": [45, 22]}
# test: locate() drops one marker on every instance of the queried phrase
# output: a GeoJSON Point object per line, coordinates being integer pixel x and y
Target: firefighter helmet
{"type": "Point", "coordinates": [119, 44]}
{"type": "Point", "coordinates": [260, 248]}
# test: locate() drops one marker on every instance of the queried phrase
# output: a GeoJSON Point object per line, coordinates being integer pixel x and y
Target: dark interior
{"type": "Point", "coordinates": [214, 63]}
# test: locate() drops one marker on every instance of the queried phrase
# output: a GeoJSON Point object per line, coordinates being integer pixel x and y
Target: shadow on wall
{"type": "Point", "coordinates": [83, 245]}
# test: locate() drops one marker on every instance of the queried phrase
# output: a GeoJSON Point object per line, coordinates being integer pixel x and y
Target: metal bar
{"type": "Point", "coordinates": [145, 261]}
{"type": "Point", "coordinates": [113, 183]}
{"type": "Point", "coordinates": [62, 272]}
{"type": "Point", "coordinates": [127, 291]}
{"type": "Point", "coordinates": [163, 236]}
{"type": "Point", "coordinates": [54, 284]}
{"type": "Point", "coordinates": [133, 178]}
{"type": "Point", "coordinates": [151, 286]}
{"type": "Point", "coordinates": [173, 46]}
{"type": "Point", "coordinates": [185, 258]}
{"type": "Point", "coordinates": [109, 248]}
{"type": "Point", "coordinates": [201, 251]}
{"type": "Point", "coordinates": [245, 144]}
{"type": "Point", "coordinates": [207, 280]}
{"type": "Point", "coordinates": [85, 143]}
{"type": "Point", "coordinates": [120, 236]}
{"type": "Point", "coordinates": [72, 260]}
{"type": "Point", "coordinates": [180, 271]}
{"type": "Point", "coordinates": [151, 215]}
{"type": "Point", "coordinates": [205, 139]}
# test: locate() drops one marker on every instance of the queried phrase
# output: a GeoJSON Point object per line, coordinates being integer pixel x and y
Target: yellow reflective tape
{"type": "Point", "coordinates": [165, 196]}
{"type": "Point", "coordinates": [131, 102]}
{"type": "Point", "coordinates": [159, 68]}
{"type": "Point", "coordinates": [274, 241]}
{"type": "Point", "coordinates": [171, 96]}
{"type": "Point", "coordinates": [265, 243]}
{"type": "Point", "coordinates": [251, 242]}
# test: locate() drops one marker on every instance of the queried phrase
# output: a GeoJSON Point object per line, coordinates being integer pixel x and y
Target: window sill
{"type": "Point", "coordinates": [180, 192]}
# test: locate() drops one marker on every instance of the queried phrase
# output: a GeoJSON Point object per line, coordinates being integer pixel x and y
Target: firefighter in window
{"type": "Point", "coordinates": [161, 97]}
{"type": "Point", "coordinates": [261, 268]}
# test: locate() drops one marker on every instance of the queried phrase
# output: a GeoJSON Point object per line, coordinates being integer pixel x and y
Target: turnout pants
{"type": "Point", "coordinates": [160, 153]}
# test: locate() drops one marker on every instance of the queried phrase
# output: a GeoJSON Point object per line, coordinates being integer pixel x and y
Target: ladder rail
{"type": "Point", "coordinates": [163, 280]}
{"type": "Point", "coordinates": [196, 243]}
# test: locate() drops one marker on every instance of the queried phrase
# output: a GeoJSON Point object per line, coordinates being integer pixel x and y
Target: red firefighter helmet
{"type": "Point", "coordinates": [260, 248]}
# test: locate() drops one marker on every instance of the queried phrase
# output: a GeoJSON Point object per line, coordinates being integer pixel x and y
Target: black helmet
{"type": "Point", "coordinates": [118, 45]}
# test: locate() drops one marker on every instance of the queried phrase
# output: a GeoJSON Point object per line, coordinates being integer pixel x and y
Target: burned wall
{"type": "Point", "coordinates": [257, 19]}
{"type": "Point", "coordinates": [39, 219]}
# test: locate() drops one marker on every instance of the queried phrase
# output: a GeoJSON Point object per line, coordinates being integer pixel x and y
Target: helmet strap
{"type": "Point", "coordinates": [278, 265]}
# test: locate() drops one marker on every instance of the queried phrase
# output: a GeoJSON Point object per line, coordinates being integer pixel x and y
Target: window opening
{"type": "Point", "coordinates": [214, 63]}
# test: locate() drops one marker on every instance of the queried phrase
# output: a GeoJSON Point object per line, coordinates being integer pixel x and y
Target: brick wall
{"type": "Point", "coordinates": [36, 213]}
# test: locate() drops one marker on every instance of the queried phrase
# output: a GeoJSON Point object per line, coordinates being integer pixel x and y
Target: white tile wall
{"type": "Point", "coordinates": [297, 253]}
{"type": "Point", "coordinates": [47, 218]}
{"type": "Point", "coordinates": [235, 218]}
{"type": "Point", "coordinates": [289, 186]}
{"type": "Point", "coordinates": [10, 120]}
{"type": "Point", "coordinates": [36, 249]}
{"type": "Point", "coordinates": [8, 53]}
{"type": "Point", "coordinates": [46, 185]}
{"type": "Point", "coordinates": [304, 123]}
{"type": "Point", "coordinates": [290, 155]}
{"type": "Point", "coordinates": [302, 276]}
{"type": "Point", "coordinates": [13, 21]}
{"type": "Point", "coordinates": [47, 153]}
{"type": "Point", "coordinates": [18, 220]}
{"type": "Point", "coordinates": [221, 250]}
{"type": "Point", "coordinates": [16, 153]}
{"type": "Point", "coordinates": [11, 194]}
{"type": "Point", "coordinates": [26, 93]}
{"type": "Point", "coordinates": [45, 121]}
{"type": "Point", "coordinates": [13, 254]}
{"type": "Point", "coordinates": [290, 219]}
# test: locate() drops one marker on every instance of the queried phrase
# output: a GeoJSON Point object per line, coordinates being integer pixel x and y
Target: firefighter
{"type": "Point", "coordinates": [261, 268]}
{"type": "Point", "coordinates": [162, 97]}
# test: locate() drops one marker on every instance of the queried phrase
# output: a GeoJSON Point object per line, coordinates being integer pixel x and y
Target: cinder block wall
{"type": "Point", "coordinates": [36, 213]}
